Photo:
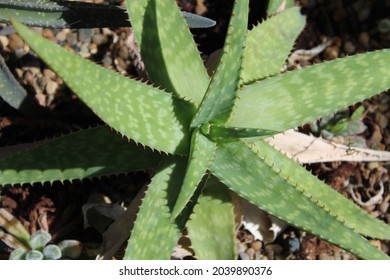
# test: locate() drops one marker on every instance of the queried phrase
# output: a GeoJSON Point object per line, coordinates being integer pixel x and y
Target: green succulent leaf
{"type": "Point", "coordinates": [145, 114]}
{"type": "Point", "coordinates": [39, 239]}
{"type": "Point", "coordinates": [155, 234]}
{"type": "Point", "coordinates": [18, 254]}
{"type": "Point", "coordinates": [211, 227]}
{"type": "Point", "coordinates": [76, 14]}
{"type": "Point", "coordinates": [274, 6]}
{"type": "Point", "coordinates": [52, 252]}
{"type": "Point", "coordinates": [222, 133]}
{"type": "Point", "coordinates": [167, 48]}
{"type": "Point", "coordinates": [93, 152]}
{"type": "Point", "coordinates": [337, 205]}
{"type": "Point", "coordinates": [219, 100]}
{"type": "Point", "coordinates": [269, 44]}
{"type": "Point", "coordinates": [246, 173]}
{"type": "Point", "coordinates": [201, 155]}
{"type": "Point", "coordinates": [34, 255]}
{"type": "Point", "coordinates": [298, 97]}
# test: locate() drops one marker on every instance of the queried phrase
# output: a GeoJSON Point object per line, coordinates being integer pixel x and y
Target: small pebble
{"type": "Point", "coordinates": [48, 34]}
{"type": "Point", "coordinates": [331, 53]}
{"type": "Point", "coordinates": [61, 36]}
{"type": "Point", "coordinates": [51, 87]}
{"type": "Point", "coordinates": [15, 42]}
{"type": "Point", "coordinates": [364, 39]}
{"type": "Point", "coordinates": [256, 245]}
{"type": "Point", "coordinates": [123, 52]}
{"type": "Point", "coordinates": [4, 41]}
{"type": "Point", "coordinates": [325, 256]}
{"type": "Point", "coordinates": [251, 253]}
{"type": "Point", "coordinates": [349, 47]}
{"type": "Point", "coordinates": [71, 38]}
{"type": "Point", "coordinates": [99, 39]}
{"type": "Point", "coordinates": [93, 48]}
{"type": "Point", "coordinates": [121, 64]}
{"type": "Point", "coordinates": [381, 120]}
{"type": "Point", "coordinates": [48, 73]}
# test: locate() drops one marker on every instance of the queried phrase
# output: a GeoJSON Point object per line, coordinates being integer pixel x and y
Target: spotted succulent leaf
{"type": "Point", "coordinates": [201, 155]}
{"type": "Point", "coordinates": [223, 133]}
{"type": "Point", "coordinates": [154, 217]}
{"type": "Point", "coordinates": [211, 227]}
{"type": "Point", "coordinates": [246, 173]}
{"type": "Point", "coordinates": [140, 112]}
{"type": "Point", "coordinates": [297, 97]}
{"type": "Point", "coordinates": [219, 100]}
{"type": "Point", "coordinates": [337, 205]}
{"type": "Point", "coordinates": [75, 14]}
{"type": "Point", "coordinates": [72, 156]}
{"type": "Point", "coordinates": [269, 44]}
{"type": "Point", "coordinates": [171, 58]}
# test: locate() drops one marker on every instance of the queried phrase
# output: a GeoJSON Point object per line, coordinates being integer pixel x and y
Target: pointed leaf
{"type": "Point", "coordinates": [269, 44]}
{"type": "Point", "coordinates": [211, 228]}
{"type": "Point", "coordinates": [76, 14]}
{"type": "Point", "coordinates": [155, 234]}
{"type": "Point", "coordinates": [168, 49]}
{"type": "Point", "coordinates": [201, 155]}
{"type": "Point", "coordinates": [218, 102]}
{"type": "Point", "coordinates": [295, 98]}
{"type": "Point", "coordinates": [251, 177]}
{"type": "Point", "coordinates": [222, 133]}
{"type": "Point", "coordinates": [63, 14]}
{"type": "Point", "coordinates": [143, 113]}
{"type": "Point", "coordinates": [337, 205]}
{"type": "Point", "coordinates": [87, 153]}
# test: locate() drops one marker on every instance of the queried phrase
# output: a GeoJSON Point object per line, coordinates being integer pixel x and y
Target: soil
{"type": "Point", "coordinates": [351, 25]}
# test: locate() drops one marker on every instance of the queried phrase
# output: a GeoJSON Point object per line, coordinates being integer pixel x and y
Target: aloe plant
{"type": "Point", "coordinates": [204, 136]}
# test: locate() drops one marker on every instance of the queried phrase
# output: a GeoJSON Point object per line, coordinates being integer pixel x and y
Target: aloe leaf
{"type": "Point", "coordinates": [222, 133]}
{"type": "Point", "coordinates": [76, 14]}
{"type": "Point", "coordinates": [211, 227]}
{"type": "Point", "coordinates": [201, 155]}
{"type": "Point", "coordinates": [297, 97]}
{"type": "Point", "coordinates": [63, 14]}
{"type": "Point", "coordinates": [155, 234]}
{"type": "Point", "coordinates": [218, 102]}
{"type": "Point", "coordinates": [241, 169]}
{"type": "Point", "coordinates": [9, 223]}
{"type": "Point", "coordinates": [15, 95]}
{"type": "Point", "coordinates": [87, 153]}
{"type": "Point", "coordinates": [337, 205]}
{"type": "Point", "coordinates": [275, 6]}
{"type": "Point", "coordinates": [145, 114]}
{"type": "Point", "coordinates": [196, 21]}
{"type": "Point", "coordinates": [168, 49]}
{"type": "Point", "coordinates": [269, 43]}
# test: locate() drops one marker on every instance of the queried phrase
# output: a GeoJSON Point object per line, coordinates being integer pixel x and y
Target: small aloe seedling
{"type": "Point", "coordinates": [204, 135]}
{"type": "Point", "coordinates": [36, 246]}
